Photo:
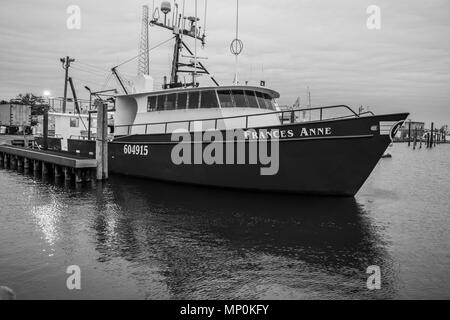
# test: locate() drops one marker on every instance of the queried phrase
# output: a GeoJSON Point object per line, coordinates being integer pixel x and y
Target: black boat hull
{"type": "Point", "coordinates": [336, 162]}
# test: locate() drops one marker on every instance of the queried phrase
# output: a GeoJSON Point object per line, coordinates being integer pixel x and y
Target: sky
{"type": "Point", "coordinates": [291, 44]}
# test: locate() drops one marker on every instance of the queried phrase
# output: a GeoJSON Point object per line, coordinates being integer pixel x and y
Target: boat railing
{"type": "Point", "coordinates": [293, 117]}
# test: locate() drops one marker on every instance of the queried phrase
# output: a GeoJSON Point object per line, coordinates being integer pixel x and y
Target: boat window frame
{"type": "Point", "coordinates": [178, 99]}
{"type": "Point", "coordinates": [233, 105]}
{"type": "Point", "coordinates": [243, 94]}
{"type": "Point", "coordinates": [163, 103]}
{"type": "Point", "coordinates": [271, 102]}
{"type": "Point", "coordinates": [149, 109]}
{"type": "Point", "coordinates": [173, 94]}
{"type": "Point", "coordinates": [189, 100]}
{"type": "Point", "coordinates": [161, 100]}
{"type": "Point", "coordinates": [213, 93]}
{"type": "Point", "coordinates": [264, 99]}
{"type": "Point", "coordinates": [255, 98]}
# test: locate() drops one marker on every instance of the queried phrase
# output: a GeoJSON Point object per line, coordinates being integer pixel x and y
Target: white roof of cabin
{"type": "Point", "coordinates": [272, 93]}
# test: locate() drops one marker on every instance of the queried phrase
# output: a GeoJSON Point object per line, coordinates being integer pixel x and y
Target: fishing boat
{"type": "Point", "coordinates": [235, 136]}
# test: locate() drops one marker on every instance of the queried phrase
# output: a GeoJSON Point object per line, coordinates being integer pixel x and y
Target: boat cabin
{"type": "Point", "coordinates": [168, 110]}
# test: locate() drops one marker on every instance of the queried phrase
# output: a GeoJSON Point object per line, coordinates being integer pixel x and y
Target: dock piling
{"type": "Point", "coordinates": [45, 126]}
{"type": "Point", "coordinates": [57, 171]}
{"type": "Point", "coordinates": [44, 169]}
{"type": "Point", "coordinates": [78, 176]}
{"type": "Point", "coordinates": [26, 163]}
{"type": "Point", "coordinates": [431, 135]}
{"type": "Point", "coordinates": [67, 174]}
{"type": "Point", "coordinates": [86, 175]}
{"type": "Point", "coordinates": [102, 141]}
{"type": "Point", "coordinates": [19, 164]}
{"type": "Point", "coordinates": [36, 166]}
{"type": "Point", "coordinates": [13, 163]}
{"type": "Point", "coordinates": [409, 133]}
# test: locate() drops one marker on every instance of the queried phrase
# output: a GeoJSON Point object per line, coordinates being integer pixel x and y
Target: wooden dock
{"type": "Point", "coordinates": [58, 164]}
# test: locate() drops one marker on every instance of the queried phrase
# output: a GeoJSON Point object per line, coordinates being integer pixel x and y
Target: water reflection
{"type": "Point", "coordinates": [209, 243]}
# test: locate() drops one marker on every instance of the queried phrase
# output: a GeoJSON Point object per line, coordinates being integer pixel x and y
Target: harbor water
{"type": "Point", "coordinates": [138, 239]}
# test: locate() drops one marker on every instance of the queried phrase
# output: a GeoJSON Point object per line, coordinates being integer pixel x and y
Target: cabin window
{"type": "Point", "coordinates": [161, 102]}
{"type": "Point", "coordinates": [251, 98]}
{"type": "Point", "coordinates": [194, 99]}
{"type": "Point", "coordinates": [239, 98]}
{"type": "Point", "coordinates": [269, 101]}
{"type": "Point", "coordinates": [74, 122]}
{"type": "Point", "coordinates": [151, 103]}
{"type": "Point", "coordinates": [170, 102]}
{"type": "Point", "coordinates": [209, 100]}
{"type": "Point", "coordinates": [262, 101]}
{"type": "Point", "coordinates": [226, 101]}
{"type": "Point", "coordinates": [182, 101]}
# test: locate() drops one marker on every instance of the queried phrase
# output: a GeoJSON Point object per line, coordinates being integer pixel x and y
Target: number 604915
{"type": "Point", "coordinates": [136, 149]}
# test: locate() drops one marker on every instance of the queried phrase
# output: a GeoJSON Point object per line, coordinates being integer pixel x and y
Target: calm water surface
{"type": "Point", "coordinates": [137, 239]}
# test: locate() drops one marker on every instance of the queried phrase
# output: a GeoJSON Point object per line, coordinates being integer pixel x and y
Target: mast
{"type": "Point", "coordinates": [176, 59]}
{"type": "Point", "coordinates": [181, 26]}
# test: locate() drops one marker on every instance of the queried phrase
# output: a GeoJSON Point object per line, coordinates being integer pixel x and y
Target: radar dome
{"type": "Point", "coordinates": [166, 7]}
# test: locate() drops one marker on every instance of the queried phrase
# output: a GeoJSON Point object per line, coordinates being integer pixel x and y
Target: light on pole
{"type": "Point", "coordinates": [90, 96]}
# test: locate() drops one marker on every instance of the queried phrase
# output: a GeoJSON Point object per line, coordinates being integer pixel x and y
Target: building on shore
{"type": "Point", "coordinates": [15, 118]}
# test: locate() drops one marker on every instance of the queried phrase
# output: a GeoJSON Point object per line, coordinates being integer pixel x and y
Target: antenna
{"type": "Point", "coordinates": [195, 44]}
{"type": "Point", "coordinates": [174, 13]}
{"type": "Point", "coordinates": [236, 46]}
{"type": "Point", "coordinates": [184, 19]}
{"type": "Point", "coordinates": [153, 7]}
{"type": "Point", "coordinates": [166, 7]}
{"type": "Point", "coordinates": [206, 12]}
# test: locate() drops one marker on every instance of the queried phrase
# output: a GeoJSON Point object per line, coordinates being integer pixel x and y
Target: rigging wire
{"type": "Point", "coordinates": [237, 20]}
{"type": "Point", "coordinates": [92, 66]}
{"type": "Point", "coordinates": [195, 42]}
{"type": "Point", "coordinates": [105, 84]}
{"type": "Point", "coordinates": [84, 80]}
{"type": "Point", "coordinates": [157, 46]}
{"type": "Point", "coordinates": [98, 74]}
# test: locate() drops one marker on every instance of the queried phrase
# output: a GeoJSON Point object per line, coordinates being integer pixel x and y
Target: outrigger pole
{"type": "Point", "coordinates": [114, 71]}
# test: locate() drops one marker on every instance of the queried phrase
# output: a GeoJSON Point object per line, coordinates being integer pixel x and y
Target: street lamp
{"type": "Point", "coordinates": [47, 94]}
{"type": "Point", "coordinates": [90, 96]}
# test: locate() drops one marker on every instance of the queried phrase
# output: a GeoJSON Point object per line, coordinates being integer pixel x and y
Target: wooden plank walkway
{"type": "Point", "coordinates": [56, 163]}
{"type": "Point", "coordinates": [58, 158]}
